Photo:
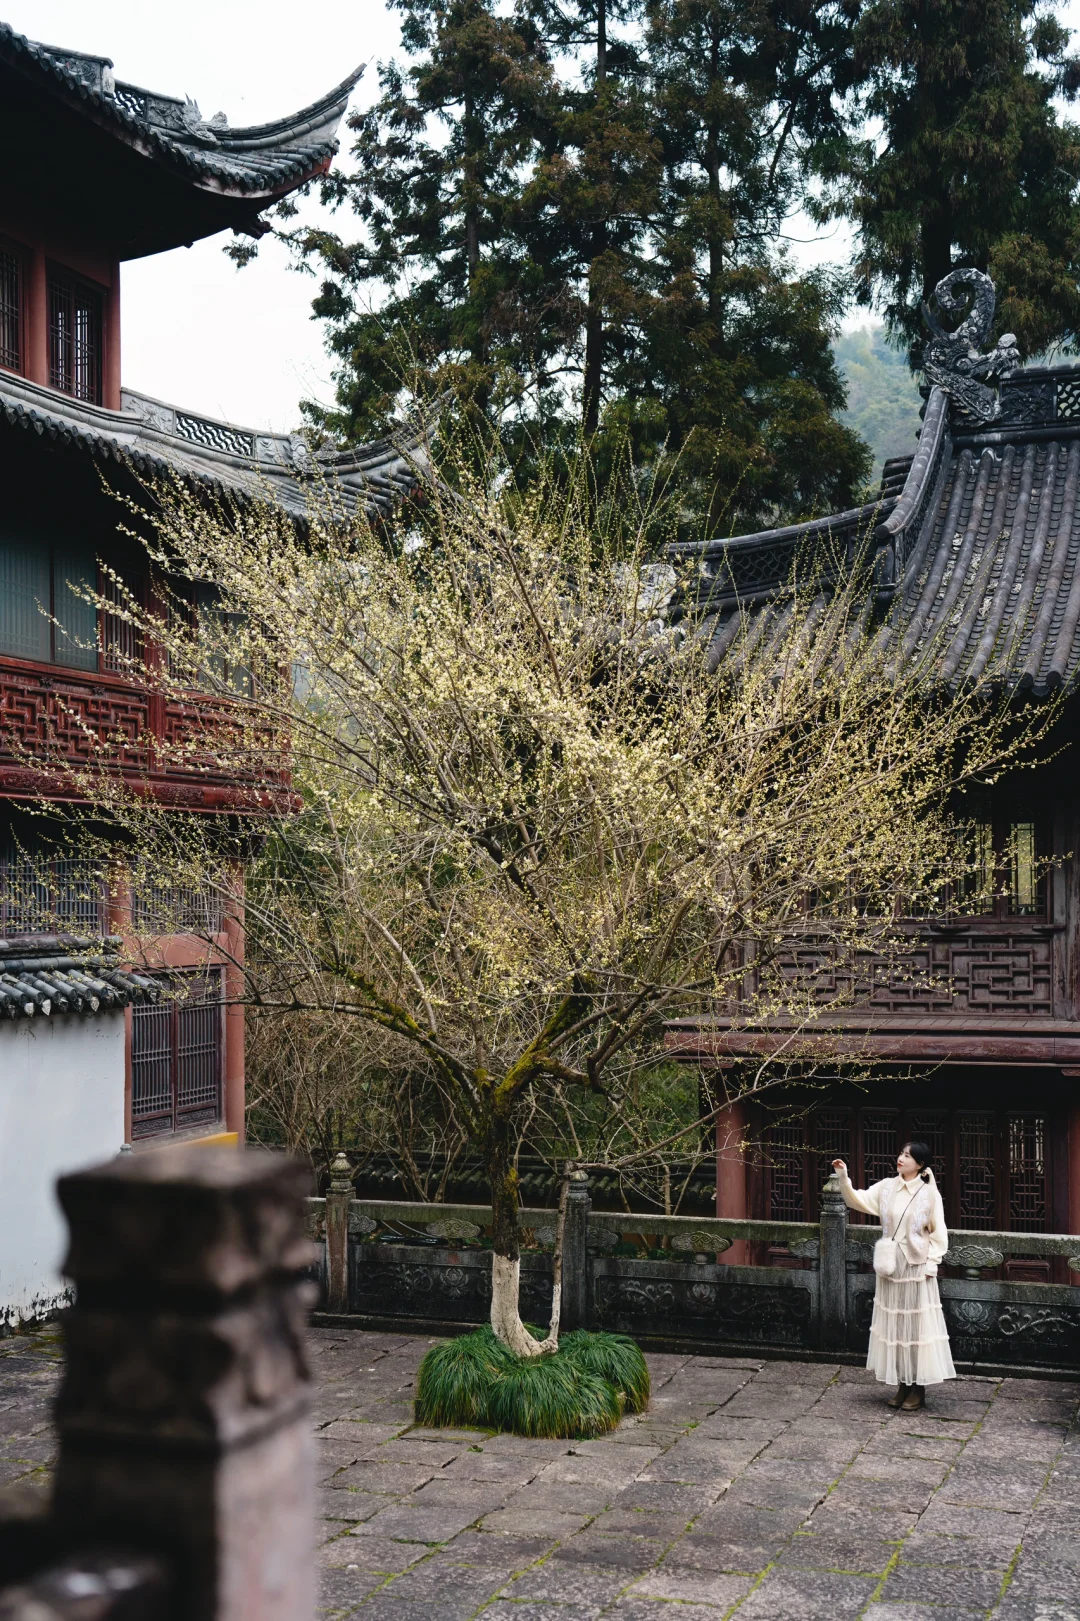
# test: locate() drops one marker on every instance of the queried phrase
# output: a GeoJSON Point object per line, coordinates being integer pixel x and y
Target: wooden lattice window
{"type": "Point", "coordinates": [178, 1056]}
{"type": "Point", "coordinates": [993, 1165]}
{"type": "Point", "coordinates": [1008, 868]}
{"type": "Point", "coordinates": [44, 894]}
{"type": "Point", "coordinates": [75, 327]}
{"type": "Point", "coordinates": [11, 309]}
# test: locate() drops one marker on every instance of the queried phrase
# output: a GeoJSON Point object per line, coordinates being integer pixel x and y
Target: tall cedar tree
{"type": "Point", "coordinates": [597, 249]}
{"type": "Point", "coordinates": [734, 368]}
{"type": "Point", "coordinates": [435, 180]}
{"type": "Point", "coordinates": [596, 184]}
{"type": "Point", "coordinates": [972, 165]}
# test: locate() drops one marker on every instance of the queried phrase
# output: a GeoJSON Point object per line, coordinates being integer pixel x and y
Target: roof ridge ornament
{"type": "Point", "coordinates": [203, 129]}
{"type": "Point", "coordinates": [952, 360]}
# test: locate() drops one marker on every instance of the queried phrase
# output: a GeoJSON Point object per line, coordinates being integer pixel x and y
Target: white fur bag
{"type": "Point", "coordinates": [886, 1257]}
{"type": "Point", "coordinates": [887, 1251]}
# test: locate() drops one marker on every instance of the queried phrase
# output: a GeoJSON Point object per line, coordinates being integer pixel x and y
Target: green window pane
{"type": "Point", "coordinates": [24, 597]}
{"type": "Point", "coordinates": [1024, 897]}
{"type": "Point", "coordinates": [74, 572]}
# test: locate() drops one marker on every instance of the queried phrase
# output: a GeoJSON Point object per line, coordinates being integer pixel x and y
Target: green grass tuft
{"type": "Point", "coordinates": [552, 1398]}
{"type": "Point", "coordinates": [580, 1391]}
{"type": "Point", "coordinates": [615, 1358]}
{"type": "Point", "coordinates": [454, 1384]}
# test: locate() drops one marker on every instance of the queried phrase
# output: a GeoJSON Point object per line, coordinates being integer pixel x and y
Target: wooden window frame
{"type": "Point", "coordinates": [18, 253]}
{"type": "Point", "coordinates": [59, 278]}
{"type": "Point", "coordinates": [177, 1115]}
{"type": "Point", "coordinates": [911, 1119]}
{"type": "Point", "coordinates": [106, 662]}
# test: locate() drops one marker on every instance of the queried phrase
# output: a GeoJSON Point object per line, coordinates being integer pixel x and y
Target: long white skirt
{"type": "Point", "coordinates": [909, 1343]}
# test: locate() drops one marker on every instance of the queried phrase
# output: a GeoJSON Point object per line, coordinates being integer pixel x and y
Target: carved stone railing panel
{"type": "Point", "coordinates": [733, 1306]}
{"type": "Point", "coordinates": [404, 1267]}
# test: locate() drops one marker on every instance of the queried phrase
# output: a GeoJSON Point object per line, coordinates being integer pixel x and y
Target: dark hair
{"type": "Point", "coordinates": [922, 1155]}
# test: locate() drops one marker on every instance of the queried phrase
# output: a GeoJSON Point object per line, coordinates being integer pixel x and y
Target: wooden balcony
{"type": "Point", "coordinates": [55, 721]}
{"type": "Point", "coordinates": [965, 990]}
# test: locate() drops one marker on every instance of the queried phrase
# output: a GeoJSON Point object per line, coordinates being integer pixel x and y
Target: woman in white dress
{"type": "Point", "coordinates": [909, 1343]}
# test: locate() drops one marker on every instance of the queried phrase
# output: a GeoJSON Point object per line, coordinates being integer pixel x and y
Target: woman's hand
{"type": "Point", "coordinates": [838, 1165]}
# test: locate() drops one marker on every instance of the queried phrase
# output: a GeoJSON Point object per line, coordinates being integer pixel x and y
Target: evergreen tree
{"type": "Point", "coordinates": [968, 162]}
{"type": "Point", "coordinates": [595, 187]}
{"type": "Point", "coordinates": [592, 251]}
{"type": "Point", "coordinates": [434, 181]}
{"type": "Point", "coordinates": [733, 369]}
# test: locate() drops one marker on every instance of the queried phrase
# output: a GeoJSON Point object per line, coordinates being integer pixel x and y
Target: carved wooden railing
{"type": "Point", "coordinates": [188, 751]}
{"type": "Point", "coordinates": [961, 965]}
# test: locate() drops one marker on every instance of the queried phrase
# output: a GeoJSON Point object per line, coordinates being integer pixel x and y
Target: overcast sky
{"type": "Point", "coordinates": [196, 331]}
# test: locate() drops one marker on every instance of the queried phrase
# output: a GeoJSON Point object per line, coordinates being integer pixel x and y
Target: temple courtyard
{"type": "Point", "coordinates": [767, 1491]}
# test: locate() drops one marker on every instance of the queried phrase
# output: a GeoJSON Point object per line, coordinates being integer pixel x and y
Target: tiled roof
{"type": "Point", "coordinates": [259, 162]}
{"type": "Point", "coordinates": [42, 975]}
{"type": "Point", "coordinates": [979, 547]}
{"type": "Point", "coordinates": [155, 437]}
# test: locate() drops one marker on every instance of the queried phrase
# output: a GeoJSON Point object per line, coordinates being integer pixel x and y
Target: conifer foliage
{"type": "Point", "coordinates": [570, 211]}
{"type": "Point", "coordinates": [966, 160]}
{"type": "Point", "coordinates": [576, 212]}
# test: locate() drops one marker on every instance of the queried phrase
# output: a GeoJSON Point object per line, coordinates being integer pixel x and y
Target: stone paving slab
{"type": "Point", "coordinates": [762, 1491]}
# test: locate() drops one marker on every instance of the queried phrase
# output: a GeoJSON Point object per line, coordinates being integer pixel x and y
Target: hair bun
{"type": "Point", "coordinates": [925, 1175]}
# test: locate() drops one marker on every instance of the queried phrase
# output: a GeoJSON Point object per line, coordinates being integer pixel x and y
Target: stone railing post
{"type": "Point", "coordinates": [833, 1283]}
{"type": "Point", "coordinates": [574, 1311]}
{"type": "Point", "coordinates": [183, 1413]}
{"type": "Point", "coordinates": [338, 1199]}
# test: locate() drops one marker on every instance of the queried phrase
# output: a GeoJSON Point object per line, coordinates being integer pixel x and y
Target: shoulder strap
{"type": "Point", "coordinates": [907, 1207]}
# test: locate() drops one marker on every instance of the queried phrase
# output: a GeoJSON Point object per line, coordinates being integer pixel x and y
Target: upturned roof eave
{"type": "Point", "coordinates": [375, 477]}
{"type": "Point", "coordinates": [195, 160]}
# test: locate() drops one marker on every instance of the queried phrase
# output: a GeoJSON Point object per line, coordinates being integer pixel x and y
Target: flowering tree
{"type": "Point", "coordinates": [527, 824]}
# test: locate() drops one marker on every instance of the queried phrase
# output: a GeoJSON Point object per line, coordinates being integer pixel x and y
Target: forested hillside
{"type": "Point", "coordinates": [883, 396]}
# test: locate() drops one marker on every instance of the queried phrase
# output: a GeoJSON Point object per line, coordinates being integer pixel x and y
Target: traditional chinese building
{"type": "Point", "coordinates": [98, 172]}
{"type": "Point", "coordinates": [975, 1045]}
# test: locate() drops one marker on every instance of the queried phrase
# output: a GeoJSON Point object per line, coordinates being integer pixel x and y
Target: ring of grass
{"type": "Point", "coordinates": [579, 1391]}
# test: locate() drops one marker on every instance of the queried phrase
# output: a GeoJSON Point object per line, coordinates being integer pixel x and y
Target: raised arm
{"type": "Point", "coordinates": [867, 1201]}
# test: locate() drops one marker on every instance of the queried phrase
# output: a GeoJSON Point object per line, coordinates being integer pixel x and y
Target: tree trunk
{"type": "Point", "coordinates": [592, 379]}
{"type": "Point", "coordinates": [505, 1259]}
{"type": "Point", "coordinates": [594, 345]}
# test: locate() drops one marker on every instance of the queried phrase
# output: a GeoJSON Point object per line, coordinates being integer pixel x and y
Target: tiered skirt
{"type": "Point", "coordinates": [909, 1343]}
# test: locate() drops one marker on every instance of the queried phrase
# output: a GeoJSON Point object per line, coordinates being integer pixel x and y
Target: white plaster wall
{"type": "Point", "coordinates": [61, 1108]}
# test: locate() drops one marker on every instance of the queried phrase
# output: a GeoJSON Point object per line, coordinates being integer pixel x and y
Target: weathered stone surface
{"type": "Point", "coordinates": [773, 1524]}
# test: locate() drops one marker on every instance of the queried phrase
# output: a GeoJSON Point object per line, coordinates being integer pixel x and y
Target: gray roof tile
{"type": "Point", "coordinates": [42, 975]}
{"type": "Point", "coordinates": [154, 437]}
{"type": "Point", "coordinates": [980, 548]}
{"type": "Point", "coordinates": [258, 162]}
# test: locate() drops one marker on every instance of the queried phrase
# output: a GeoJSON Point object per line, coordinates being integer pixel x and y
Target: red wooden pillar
{"type": "Point", "coordinates": [37, 319]}
{"type": "Point", "coordinates": [731, 1191]}
{"type": "Point", "coordinates": [110, 390]}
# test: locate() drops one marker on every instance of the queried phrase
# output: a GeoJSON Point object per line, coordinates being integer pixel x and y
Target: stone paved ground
{"type": "Point", "coordinates": [770, 1491]}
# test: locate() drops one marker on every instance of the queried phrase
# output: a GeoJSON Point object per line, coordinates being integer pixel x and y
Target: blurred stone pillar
{"type": "Point", "coordinates": [183, 1414]}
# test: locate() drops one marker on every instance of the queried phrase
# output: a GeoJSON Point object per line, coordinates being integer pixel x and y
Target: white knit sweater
{"type": "Point", "coordinates": [923, 1234]}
